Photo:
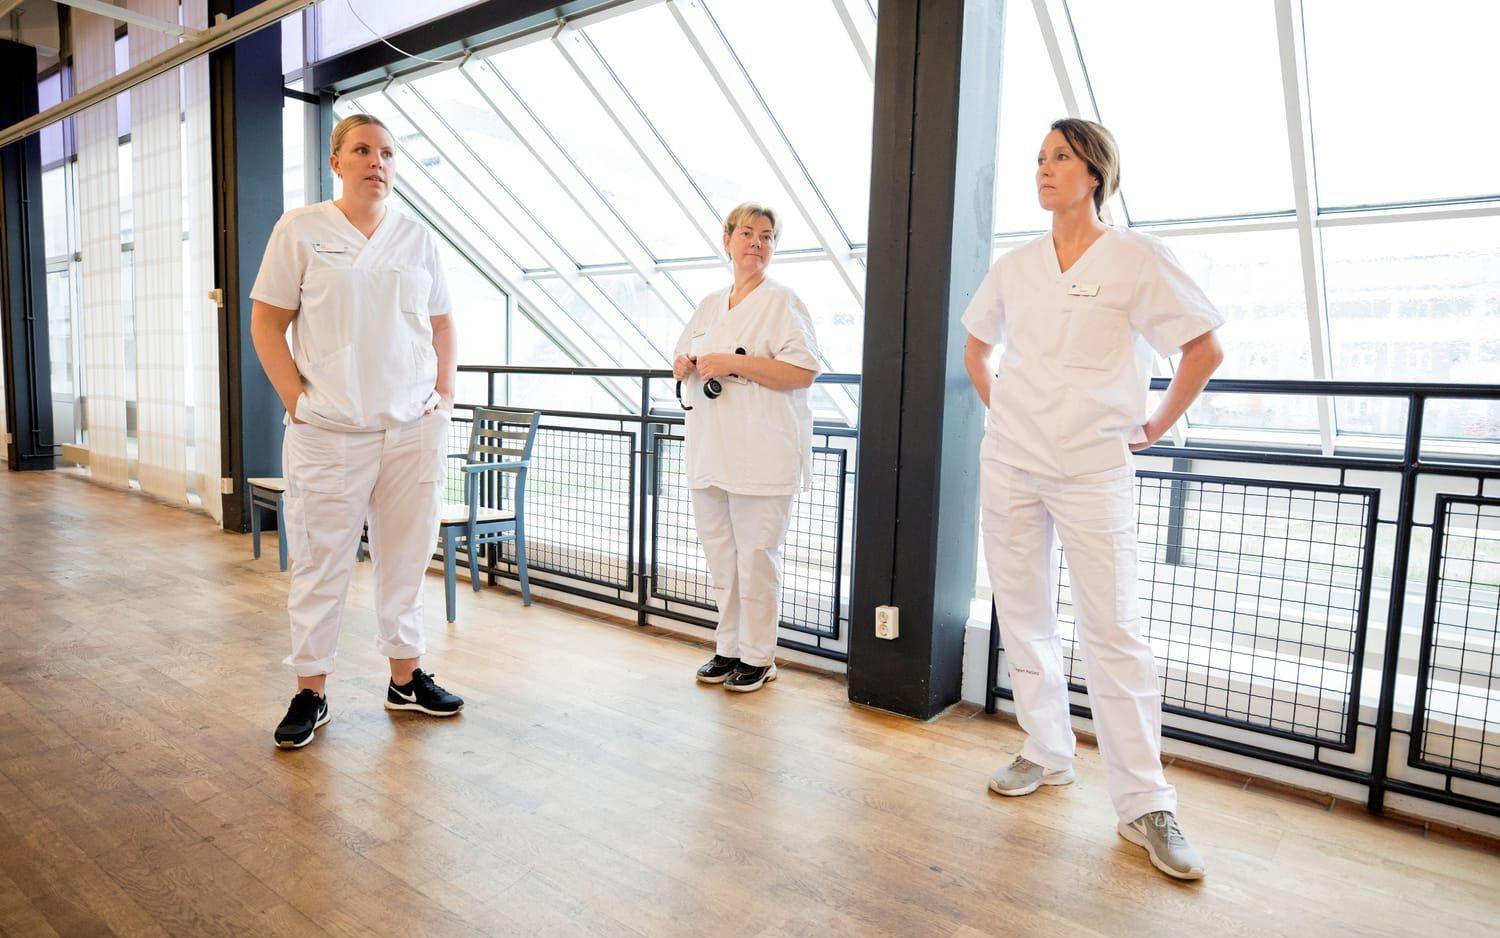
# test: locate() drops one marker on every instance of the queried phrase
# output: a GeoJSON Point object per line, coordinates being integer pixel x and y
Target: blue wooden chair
{"type": "Point", "coordinates": [500, 441]}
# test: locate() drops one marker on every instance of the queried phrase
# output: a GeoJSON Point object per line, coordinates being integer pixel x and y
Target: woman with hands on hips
{"type": "Point", "coordinates": [1078, 312]}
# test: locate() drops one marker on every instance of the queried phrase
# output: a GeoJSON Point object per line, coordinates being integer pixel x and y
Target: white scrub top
{"type": "Point", "coordinates": [362, 338]}
{"type": "Point", "coordinates": [750, 440]}
{"type": "Point", "coordinates": [1073, 376]}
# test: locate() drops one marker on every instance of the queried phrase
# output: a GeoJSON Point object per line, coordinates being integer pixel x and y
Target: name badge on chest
{"type": "Point", "coordinates": [330, 247]}
{"type": "Point", "coordinates": [1083, 289]}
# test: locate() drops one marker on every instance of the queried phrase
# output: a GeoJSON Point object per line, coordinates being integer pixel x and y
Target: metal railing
{"type": "Point", "coordinates": [608, 516]}
{"type": "Point", "coordinates": [1259, 585]}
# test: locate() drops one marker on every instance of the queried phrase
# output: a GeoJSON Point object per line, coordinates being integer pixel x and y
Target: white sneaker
{"type": "Point", "coordinates": [1165, 844]}
{"type": "Point", "coordinates": [1022, 777]}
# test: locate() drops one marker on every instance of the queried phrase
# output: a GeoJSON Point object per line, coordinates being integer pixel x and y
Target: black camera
{"type": "Point", "coordinates": [712, 388]}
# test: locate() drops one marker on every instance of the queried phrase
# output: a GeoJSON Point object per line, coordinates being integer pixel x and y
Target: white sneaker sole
{"type": "Point", "coordinates": [1065, 777]}
{"type": "Point", "coordinates": [1139, 839]}
{"type": "Point", "coordinates": [421, 709]}
{"type": "Point", "coordinates": [747, 688]}
{"type": "Point", "coordinates": [713, 680]}
{"type": "Point", "coordinates": [326, 717]}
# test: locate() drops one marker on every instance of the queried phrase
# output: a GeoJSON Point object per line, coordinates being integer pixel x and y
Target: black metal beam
{"type": "Point", "coordinates": [23, 272]}
{"type": "Point", "coordinates": [937, 90]}
{"type": "Point", "coordinates": [246, 94]}
{"type": "Point", "coordinates": [450, 35]}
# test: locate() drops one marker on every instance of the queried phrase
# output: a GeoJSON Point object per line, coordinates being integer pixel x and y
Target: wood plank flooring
{"type": "Point", "coordinates": [591, 787]}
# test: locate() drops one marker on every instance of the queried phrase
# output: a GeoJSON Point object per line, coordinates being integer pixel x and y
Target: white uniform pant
{"type": "Point", "coordinates": [335, 482]}
{"type": "Point", "coordinates": [1095, 517]}
{"type": "Point", "coordinates": [742, 537]}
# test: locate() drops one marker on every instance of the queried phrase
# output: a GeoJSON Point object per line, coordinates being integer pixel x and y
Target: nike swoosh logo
{"type": "Point", "coordinates": [409, 698]}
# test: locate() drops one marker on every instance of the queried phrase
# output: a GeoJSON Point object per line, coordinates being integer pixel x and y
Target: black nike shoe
{"type": "Point", "coordinates": [717, 669]}
{"type": "Point", "coordinates": [747, 678]}
{"type": "Point", "coordinates": [307, 712]}
{"type": "Point", "coordinates": [423, 694]}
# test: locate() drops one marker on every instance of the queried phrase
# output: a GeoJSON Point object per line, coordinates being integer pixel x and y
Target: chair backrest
{"type": "Point", "coordinates": [502, 434]}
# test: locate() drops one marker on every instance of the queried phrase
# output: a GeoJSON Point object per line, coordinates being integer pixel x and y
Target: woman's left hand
{"type": "Point", "coordinates": [1152, 435]}
{"type": "Point", "coordinates": [718, 365]}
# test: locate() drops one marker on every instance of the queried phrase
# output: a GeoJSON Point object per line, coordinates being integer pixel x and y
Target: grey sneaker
{"type": "Point", "coordinates": [1165, 843]}
{"type": "Point", "coordinates": [1022, 777]}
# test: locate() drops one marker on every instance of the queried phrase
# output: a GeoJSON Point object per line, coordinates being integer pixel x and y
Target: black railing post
{"type": "Point", "coordinates": [647, 436]}
{"type": "Point", "coordinates": [1177, 512]}
{"type": "Point", "coordinates": [1390, 664]}
{"type": "Point", "coordinates": [992, 671]}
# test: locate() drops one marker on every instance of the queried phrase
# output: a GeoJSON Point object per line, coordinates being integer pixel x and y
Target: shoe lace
{"type": "Point", "coordinates": [1166, 823]}
{"type": "Point", "coordinates": [1022, 764]}
{"type": "Point", "coordinates": [425, 682]}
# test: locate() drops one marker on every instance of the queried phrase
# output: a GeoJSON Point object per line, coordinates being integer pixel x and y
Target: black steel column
{"type": "Point", "coordinates": [937, 91]}
{"type": "Point", "coordinates": [23, 272]}
{"type": "Point", "coordinates": [246, 92]}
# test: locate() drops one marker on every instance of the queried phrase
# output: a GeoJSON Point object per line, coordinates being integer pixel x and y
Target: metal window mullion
{"type": "Point", "coordinates": [847, 11]}
{"type": "Point", "coordinates": [596, 75]}
{"type": "Point", "coordinates": [1381, 215]}
{"type": "Point", "coordinates": [458, 152]}
{"type": "Point", "coordinates": [507, 104]}
{"type": "Point", "coordinates": [1290, 42]}
{"type": "Point", "coordinates": [1066, 56]}
{"type": "Point", "coordinates": [760, 125]}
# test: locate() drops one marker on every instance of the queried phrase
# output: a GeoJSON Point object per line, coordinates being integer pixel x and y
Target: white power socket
{"type": "Point", "coordinates": [887, 622]}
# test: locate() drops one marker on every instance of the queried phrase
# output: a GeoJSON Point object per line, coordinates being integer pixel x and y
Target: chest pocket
{"type": "Point", "coordinates": [1095, 337]}
{"type": "Point", "coordinates": [413, 288]}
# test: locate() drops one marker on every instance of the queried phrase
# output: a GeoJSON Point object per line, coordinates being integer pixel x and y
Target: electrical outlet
{"type": "Point", "coordinates": [887, 622]}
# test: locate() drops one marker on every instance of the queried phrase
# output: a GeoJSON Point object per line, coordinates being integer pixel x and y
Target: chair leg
{"type": "Point", "coordinates": [449, 573]}
{"type": "Point", "coordinates": [474, 552]}
{"type": "Point", "coordinates": [521, 565]}
{"type": "Point", "coordinates": [281, 529]}
{"type": "Point", "coordinates": [255, 527]}
{"type": "Point", "coordinates": [359, 546]}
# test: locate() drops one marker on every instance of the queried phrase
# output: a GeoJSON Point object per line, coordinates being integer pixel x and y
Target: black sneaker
{"type": "Point", "coordinates": [717, 669]}
{"type": "Point", "coordinates": [747, 677]}
{"type": "Point", "coordinates": [423, 694]}
{"type": "Point", "coordinates": [307, 712]}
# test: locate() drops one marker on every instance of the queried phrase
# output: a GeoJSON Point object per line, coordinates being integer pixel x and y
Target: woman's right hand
{"type": "Point", "coordinates": [683, 366]}
{"type": "Point", "coordinates": [292, 410]}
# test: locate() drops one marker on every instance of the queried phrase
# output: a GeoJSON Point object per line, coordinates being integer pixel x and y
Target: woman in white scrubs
{"type": "Point", "coordinates": [368, 389]}
{"type": "Point", "coordinates": [746, 360]}
{"type": "Point", "coordinates": [1078, 312]}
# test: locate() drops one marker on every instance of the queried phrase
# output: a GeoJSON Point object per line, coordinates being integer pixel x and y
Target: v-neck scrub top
{"type": "Point", "coordinates": [750, 440]}
{"type": "Point", "coordinates": [362, 339]}
{"type": "Point", "coordinates": [1073, 376]}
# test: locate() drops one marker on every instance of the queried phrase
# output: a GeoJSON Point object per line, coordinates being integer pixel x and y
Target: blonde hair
{"type": "Point", "coordinates": [342, 128]}
{"type": "Point", "coordinates": [741, 214]}
{"type": "Point", "coordinates": [1096, 146]}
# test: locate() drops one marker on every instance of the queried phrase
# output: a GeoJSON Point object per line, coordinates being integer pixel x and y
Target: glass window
{"type": "Point", "coordinates": [49, 93]}
{"type": "Point", "coordinates": [348, 24]}
{"type": "Point", "coordinates": [291, 43]}
{"type": "Point", "coordinates": [559, 99]}
{"type": "Point", "coordinates": [455, 101]}
{"type": "Point", "coordinates": [1416, 301]}
{"type": "Point", "coordinates": [423, 169]}
{"type": "Point", "coordinates": [1192, 92]}
{"type": "Point", "coordinates": [122, 101]}
{"type": "Point", "coordinates": [1396, 90]}
{"type": "Point", "coordinates": [127, 190]}
{"type": "Point", "coordinates": [636, 301]}
{"type": "Point", "coordinates": [602, 331]}
{"type": "Point", "coordinates": [1029, 102]}
{"type": "Point", "coordinates": [293, 150]}
{"type": "Point", "coordinates": [1255, 280]}
{"type": "Point", "coordinates": [60, 331]}
{"type": "Point", "coordinates": [479, 310]}
{"type": "Point", "coordinates": [659, 69]}
{"type": "Point", "coordinates": [55, 211]}
{"type": "Point", "coordinates": [804, 65]}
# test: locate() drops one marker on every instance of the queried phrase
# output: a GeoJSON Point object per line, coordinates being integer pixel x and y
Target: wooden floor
{"type": "Point", "coordinates": [590, 787]}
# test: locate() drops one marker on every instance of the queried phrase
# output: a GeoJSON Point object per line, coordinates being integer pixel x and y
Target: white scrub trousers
{"type": "Point", "coordinates": [742, 537]}
{"type": "Point", "coordinates": [335, 482]}
{"type": "Point", "coordinates": [1095, 517]}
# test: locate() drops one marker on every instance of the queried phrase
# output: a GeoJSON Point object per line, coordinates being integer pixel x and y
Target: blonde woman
{"type": "Point", "coordinates": [1078, 312]}
{"type": "Point", "coordinates": [746, 360]}
{"type": "Point", "coordinates": [368, 389]}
